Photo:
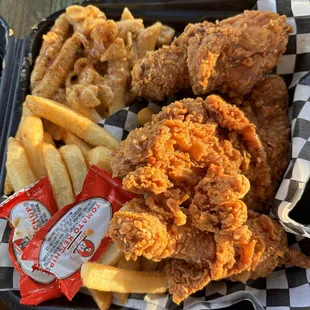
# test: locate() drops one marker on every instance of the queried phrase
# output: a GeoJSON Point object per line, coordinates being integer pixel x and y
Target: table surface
{"type": "Point", "coordinates": [21, 15]}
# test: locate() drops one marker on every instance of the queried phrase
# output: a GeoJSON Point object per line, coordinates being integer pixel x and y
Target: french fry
{"type": "Point", "coordinates": [147, 38]}
{"type": "Point", "coordinates": [101, 157]}
{"type": "Point", "coordinates": [32, 136]}
{"type": "Point", "coordinates": [135, 26]}
{"type": "Point", "coordinates": [58, 71]}
{"type": "Point", "coordinates": [55, 131]}
{"type": "Point", "coordinates": [18, 169]}
{"type": "Point", "coordinates": [107, 278]}
{"type": "Point", "coordinates": [26, 112]}
{"type": "Point", "coordinates": [148, 264]}
{"type": "Point", "coordinates": [115, 51]}
{"type": "Point", "coordinates": [145, 116]}
{"type": "Point", "coordinates": [102, 299]}
{"type": "Point", "coordinates": [165, 36]}
{"type": "Point", "coordinates": [70, 138]}
{"type": "Point", "coordinates": [128, 265]}
{"type": "Point", "coordinates": [76, 165]}
{"type": "Point", "coordinates": [70, 120]}
{"type": "Point", "coordinates": [8, 189]}
{"type": "Point", "coordinates": [111, 256]}
{"type": "Point", "coordinates": [58, 175]}
{"type": "Point", "coordinates": [52, 44]}
{"type": "Point", "coordinates": [48, 138]}
{"type": "Point", "coordinates": [126, 15]}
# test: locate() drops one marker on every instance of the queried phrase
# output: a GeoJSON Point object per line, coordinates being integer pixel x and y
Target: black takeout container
{"type": "Point", "coordinates": [18, 56]}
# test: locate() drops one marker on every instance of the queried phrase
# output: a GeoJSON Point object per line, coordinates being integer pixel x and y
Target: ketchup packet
{"type": "Point", "coordinates": [76, 233]}
{"type": "Point", "coordinates": [27, 211]}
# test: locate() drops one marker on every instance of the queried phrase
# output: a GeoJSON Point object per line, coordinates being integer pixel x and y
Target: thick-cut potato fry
{"type": "Point", "coordinates": [126, 15]}
{"type": "Point", "coordinates": [165, 36]}
{"type": "Point", "coordinates": [55, 131]}
{"type": "Point", "coordinates": [111, 256]}
{"type": "Point", "coordinates": [58, 175]}
{"type": "Point", "coordinates": [147, 39]}
{"type": "Point", "coordinates": [8, 189]}
{"type": "Point", "coordinates": [32, 136]}
{"type": "Point", "coordinates": [26, 112]}
{"type": "Point", "coordinates": [101, 157]}
{"type": "Point", "coordinates": [17, 166]}
{"type": "Point", "coordinates": [70, 138]}
{"type": "Point", "coordinates": [48, 138]}
{"type": "Point", "coordinates": [148, 264]}
{"type": "Point", "coordinates": [107, 278]}
{"type": "Point", "coordinates": [102, 299]}
{"type": "Point", "coordinates": [75, 103]}
{"type": "Point", "coordinates": [145, 116]}
{"type": "Point", "coordinates": [116, 50]}
{"type": "Point", "coordinates": [76, 165]}
{"type": "Point", "coordinates": [70, 120]}
{"type": "Point", "coordinates": [128, 265]}
{"type": "Point", "coordinates": [135, 26]}
{"type": "Point", "coordinates": [58, 71]}
{"type": "Point", "coordinates": [52, 44]}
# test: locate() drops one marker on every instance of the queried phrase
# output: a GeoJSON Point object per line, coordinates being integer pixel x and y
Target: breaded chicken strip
{"type": "Point", "coordinates": [138, 231]}
{"type": "Point", "coordinates": [230, 56]}
{"type": "Point", "coordinates": [248, 252]}
{"type": "Point", "coordinates": [160, 74]}
{"type": "Point", "coordinates": [267, 107]}
{"type": "Point", "coordinates": [177, 148]}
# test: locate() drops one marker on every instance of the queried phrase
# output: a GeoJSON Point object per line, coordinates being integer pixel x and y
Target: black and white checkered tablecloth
{"type": "Point", "coordinates": [285, 288]}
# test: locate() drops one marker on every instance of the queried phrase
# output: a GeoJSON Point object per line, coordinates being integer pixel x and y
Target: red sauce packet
{"type": "Point", "coordinates": [76, 233]}
{"type": "Point", "coordinates": [27, 211]}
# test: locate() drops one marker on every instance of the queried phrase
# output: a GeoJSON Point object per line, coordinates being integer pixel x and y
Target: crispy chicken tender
{"type": "Point", "coordinates": [267, 107]}
{"type": "Point", "coordinates": [140, 231]}
{"type": "Point", "coordinates": [270, 251]}
{"type": "Point", "coordinates": [248, 252]}
{"type": "Point", "coordinates": [176, 149]}
{"type": "Point", "coordinates": [161, 73]}
{"type": "Point", "coordinates": [230, 56]}
{"type": "Point", "coordinates": [216, 206]}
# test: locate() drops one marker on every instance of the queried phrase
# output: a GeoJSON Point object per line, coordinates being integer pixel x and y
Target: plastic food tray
{"type": "Point", "coordinates": [17, 57]}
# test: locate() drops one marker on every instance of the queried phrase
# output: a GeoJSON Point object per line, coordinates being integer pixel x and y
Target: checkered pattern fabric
{"type": "Point", "coordinates": [285, 288]}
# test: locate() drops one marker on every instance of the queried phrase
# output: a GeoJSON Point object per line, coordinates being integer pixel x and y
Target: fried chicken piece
{"type": "Point", "coordinates": [177, 148]}
{"type": "Point", "coordinates": [216, 206]}
{"type": "Point", "coordinates": [161, 74]}
{"type": "Point", "coordinates": [266, 107]}
{"type": "Point", "coordinates": [183, 140]}
{"type": "Point", "coordinates": [248, 252]}
{"type": "Point", "coordinates": [230, 56]}
{"type": "Point", "coordinates": [139, 231]}
{"type": "Point", "coordinates": [270, 251]}
{"type": "Point", "coordinates": [235, 54]}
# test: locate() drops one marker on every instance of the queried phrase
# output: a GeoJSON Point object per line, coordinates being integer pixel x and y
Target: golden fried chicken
{"type": "Point", "coordinates": [177, 148]}
{"type": "Point", "coordinates": [216, 205]}
{"type": "Point", "coordinates": [139, 231]}
{"type": "Point", "coordinates": [267, 107]}
{"type": "Point", "coordinates": [249, 251]}
{"type": "Point", "coordinates": [230, 56]}
{"type": "Point", "coordinates": [161, 73]}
